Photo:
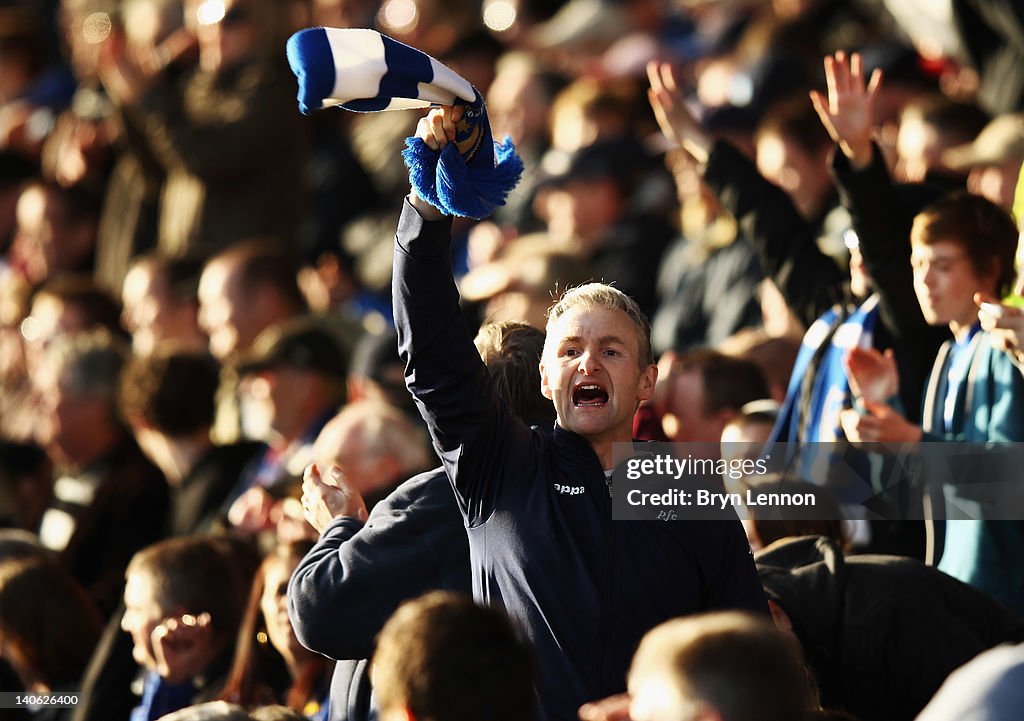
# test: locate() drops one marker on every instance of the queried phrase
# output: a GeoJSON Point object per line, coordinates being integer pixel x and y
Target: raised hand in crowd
{"type": "Point", "coordinates": [324, 499]}
{"type": "Point", "coordinates": [436, 129]}
{"type": "Point", "coordinates": [183, 646]}
{"type": "Point", "coordinates": [873, 375]}
{"type": "Point", "coordinates": [849, 110]}
{"type": "Point", "coordinates": [1005, 325]}
{"type": "Point", "coordinates": [874, 380]}
{"type": "Point", "coordinates": [674, 118]}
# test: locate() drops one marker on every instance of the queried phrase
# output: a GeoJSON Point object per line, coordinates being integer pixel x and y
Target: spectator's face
{"type": "Point", "coordinates": [144, 300]}
{"type": "Point", "coordinates": [274, 606]}
{"type": "Point", "coordinates": [517, 107]}
{"type": "Point", "coordinates": [803, 175]}
{"type": "Point", "coordinates": [582, 210]}
{"type": "Point", "coordinates": [745, 439]}
{"type": "Point", "coordinates": [918, 150]}
{"type": "Point", "coordinates": [995, 182]}
{"type": "Point", "coordinates": [44, 241]}
{"type": "Point", "coordinates": [48, 318]}
{"type": "Point", "coordinates": [152, 315]}
{"type": "Point", "coordinates": [945, 282]}
{"type": "Point", "coordinates": [591, 372]}
{"type": "Point", "coordinates": [66, 422]}
{"type": "Point", "coordinates": [142, 614]}
{"type": "Point", "coordinates": [224, 311]}
{"type": "Point", "coordinates": [288, 396]}
{"type": "Point", "coordinates": [685, 419]}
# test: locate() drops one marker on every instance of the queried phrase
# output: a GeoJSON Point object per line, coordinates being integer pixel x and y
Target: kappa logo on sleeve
{"type": "Point", "coordinates": [569, 490]}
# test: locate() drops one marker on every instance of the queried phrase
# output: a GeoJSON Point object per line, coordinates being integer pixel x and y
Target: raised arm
{"type": "Point", "coordinates": [882, 213]}
{"type": "Point", "coordinates": [786, 243]}
{"type": "Point", "coordinates": [359, 572]}
{"type": "Point", "coordinates": [848, 111]}
{"type": "Point", "coordinates": [474, 433]}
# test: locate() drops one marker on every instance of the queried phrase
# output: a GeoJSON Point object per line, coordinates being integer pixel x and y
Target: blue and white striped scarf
{"type": "Point", "coordinates": [365, 71]}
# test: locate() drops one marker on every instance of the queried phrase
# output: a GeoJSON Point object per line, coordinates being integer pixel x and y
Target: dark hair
{"type": "Point", "coordinates": [729, 383]}
{"type": "Point", "coordinates": [258, 673]}
{"type": "Point", "coordinates": [956, 122]}
{"type": "Point", "coordinates": [180, 275]}
{"type": "Point", "coordinates": [264, 263]}
{"type": "Point", "coordinates": [511, 351]}
{"type": "Point", "coordinates": [986, 233]}
{"type": "Point", "coordinates": [197, 573]}
{"type": "Point", "coordinates": [796, 120]}
{"type": "Point", "coordinates": [47, 619]}
{"type": "Point", "coordinates": [432, 645]}
{"type": "Point", "coordinates": [173, 390]}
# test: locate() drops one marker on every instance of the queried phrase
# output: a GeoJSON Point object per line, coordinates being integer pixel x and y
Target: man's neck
{"type": "Point", "coordinates": [604, 447]}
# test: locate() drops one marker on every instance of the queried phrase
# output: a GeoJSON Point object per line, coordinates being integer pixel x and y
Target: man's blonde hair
{"type": "Point", "coordinates": [601, 295]}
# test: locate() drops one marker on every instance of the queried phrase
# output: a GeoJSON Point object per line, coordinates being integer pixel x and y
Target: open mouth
{"type": "Point", "coordinates": [588, 395]}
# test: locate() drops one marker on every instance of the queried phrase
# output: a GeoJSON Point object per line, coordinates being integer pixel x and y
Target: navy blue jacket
{"type": "Point", "coordinates": [356, 575]}
{"type": "Point", "coordinates": [584, 588]}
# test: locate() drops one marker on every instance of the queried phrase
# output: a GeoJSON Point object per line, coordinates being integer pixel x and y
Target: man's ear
{"type": "Point", "coordinates": [545, 387]}
{"type": "Point", "coordinates": [648, 380]}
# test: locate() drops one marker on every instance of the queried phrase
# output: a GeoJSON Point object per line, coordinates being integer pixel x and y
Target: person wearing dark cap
{"type": "Point", "coordinates": [881, 633]}
{"type": "Point", "coordinates": [292, 382]}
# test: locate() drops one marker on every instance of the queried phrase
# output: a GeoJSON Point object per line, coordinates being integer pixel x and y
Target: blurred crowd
{"type": "Point", "coordinates": [195, 305]}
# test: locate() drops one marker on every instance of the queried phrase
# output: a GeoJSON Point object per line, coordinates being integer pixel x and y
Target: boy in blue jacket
{"type": "Point", "coordinates": [961, 246]}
